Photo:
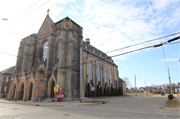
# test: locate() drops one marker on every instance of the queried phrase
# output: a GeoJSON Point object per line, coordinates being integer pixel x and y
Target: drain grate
{"type": "Point", "coordinates": [161, 107]}
{"type": "Point", "coordinates": [15, 108]}
{"type": "Point", "coordinates": [66, 114]}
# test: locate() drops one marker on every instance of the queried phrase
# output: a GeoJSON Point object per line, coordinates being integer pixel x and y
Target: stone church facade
{"type": "Point", "coordinates": [52, 57]}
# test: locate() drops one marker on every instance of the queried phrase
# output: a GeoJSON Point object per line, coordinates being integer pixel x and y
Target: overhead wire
{"type": "Point", "coordinates": [93, 60]}
{"type": "Point", "coordinates": [32, 11]}
{"type": "Point", "coordinates": [159, 34]}
{"type": "Point", "coordinates": [25, 10]}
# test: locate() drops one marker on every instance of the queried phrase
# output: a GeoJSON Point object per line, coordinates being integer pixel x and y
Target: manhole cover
{"type": "Point", "coordinates": [66, 114]}
{"type": "Point", "coordinates": [161, 107]}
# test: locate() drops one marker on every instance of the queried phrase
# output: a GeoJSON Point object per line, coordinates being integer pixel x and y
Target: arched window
{"type": "Point", "coordinates": [105, 75]}
{"type": "Point", "coordinates": [91, 72]}
{"type": "Point", "coordinates": [100, 54]}
{"type": "Point", "coordinates": [73, 50]}
{"type": "Point", "coordinates": [99, 74]}
{"type": "Point", "coordinates": [86, 46]}
{"type": "Point", "coordinates": [115, 79]}
{"type": "Point", "coordinates": [94, 50]}
{"type": "Point", "coordinates": [45, 50]}
{"type": "Point", "coordinates": [57, 50]}
{"type": "Point", "coordinates": [72, 79]}
{"type": "Point", "coordinates": [111, 76]}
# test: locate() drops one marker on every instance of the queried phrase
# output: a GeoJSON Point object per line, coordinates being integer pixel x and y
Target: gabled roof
{"type": "Point", "coordinates": [9, 70]}
{"type": "Point", "coordinates": [47, 23]}
{"type": "Point", "coordinates": [67, 18]}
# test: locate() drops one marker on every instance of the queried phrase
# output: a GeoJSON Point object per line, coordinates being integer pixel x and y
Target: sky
{"type": "Point", "coordinates": [110, 25]}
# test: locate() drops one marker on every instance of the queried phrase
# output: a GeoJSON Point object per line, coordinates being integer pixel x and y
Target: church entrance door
{"type": "Point", "coordinates": [22, 92]}
{"type": "Point", "coordinates": [14, 92]}
{"type": "Point", "coordinates": [52, 88]}
{"type": "Point", "coordinates": [30, 91]}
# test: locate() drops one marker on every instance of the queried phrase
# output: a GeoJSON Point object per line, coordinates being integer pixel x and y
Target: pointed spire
{"type": "Point", "coordinates": [48, 12]}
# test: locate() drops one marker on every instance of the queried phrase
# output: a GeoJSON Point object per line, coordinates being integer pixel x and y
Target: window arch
{"type": "Point", "coordinates": [111, 76]}
{"type": "Point", "coordinates": [91, 72]}
{"type": "Point", "coordinates": [94, 50]}
{"type": "Point", "coordinates": [57, 50]}
{"type": "Point", "coordinates": [115, 79]}
{"type": "Point", "coordinates": [86, 46]}
{"type": "Point", "coordinates": [45, 50]}
{"type": "Point", "coordinates": [99, 74]}
{"type": "Point", "coordinates": [105, 75]}
{"type": "Point", "coordinates": [100, 54]}
{"type": "Point", "coordinates": [72, 79]}
{"type": "Point", "coordinates": [73, 50]}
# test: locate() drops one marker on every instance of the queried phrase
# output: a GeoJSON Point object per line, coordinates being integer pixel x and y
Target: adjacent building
{"type": "Point", "coordinates": [5, 79]}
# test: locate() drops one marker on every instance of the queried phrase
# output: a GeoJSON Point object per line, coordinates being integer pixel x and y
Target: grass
{"type": "Point", "coordinates": [172, 103]}
{"type": "Point", "coordinates": [99, 97]}
{"type": "Point", "coordinates": [96, 102]}
{"type": "Point", "coordinates": [141, 94]}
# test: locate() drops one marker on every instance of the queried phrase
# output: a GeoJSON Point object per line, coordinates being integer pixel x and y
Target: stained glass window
{"type": "Point", "coordinates": [99, 74]}
{"type": "Point", "coordinates": [111, 76]}
{"type": "Point", "coordinates": [72, 79]}
{"type": "Point", "coordinates": [57, 49]}
{"type": "Point", "coordinates": [105, 75]}
{"type": "Point", "coordinates": [115, 78]}
{"type": "Point", "coordinates": [94, 50]}
{"type": "Point", "coordinates": [100, 54]}
{"type": "Point", "coordinates": [86, 46]}
{"type": "Point", "coordinates": [45, 50]}
{"type": "Point", "coordinates": [91, 71]}
{"type": "Point", "coordinates": [73, 50]}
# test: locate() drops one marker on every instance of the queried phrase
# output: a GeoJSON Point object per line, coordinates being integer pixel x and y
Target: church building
{"type": "Point", "coordinates": [58, 56]}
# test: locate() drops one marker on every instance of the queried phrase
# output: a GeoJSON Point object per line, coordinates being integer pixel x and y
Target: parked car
{"type": "Point", "coordinates": [162, 94]}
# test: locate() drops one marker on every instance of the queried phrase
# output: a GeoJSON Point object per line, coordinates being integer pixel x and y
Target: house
{"type": "Point", "coordinates": [5, 79]}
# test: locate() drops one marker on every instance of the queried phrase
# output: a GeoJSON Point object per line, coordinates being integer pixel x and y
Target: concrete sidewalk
{"type": "Point", "coordinates": [63, 103]}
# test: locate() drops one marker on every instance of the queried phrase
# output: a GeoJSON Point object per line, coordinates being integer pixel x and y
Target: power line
{"type": "Point", "coordinates": [33, 11]}
{"type": "Point", "coordinates": [154, 17]}
{"type": "Point", "coordinates": [123, 53]}
{"type": "Point", "coordinates": [144, 42]}
{"type": "Point", "coordinates": [97, 59]}
{"type": "Point", "coordinates": [25, 10]}
{"type": "Point", "coordinates": [137, 44]}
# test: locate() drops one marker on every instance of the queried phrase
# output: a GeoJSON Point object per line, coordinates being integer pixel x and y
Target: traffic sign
{"type": "Point", "coordinates": [92, 88]}
{"type": "Point", "coordinates": [55, 89]}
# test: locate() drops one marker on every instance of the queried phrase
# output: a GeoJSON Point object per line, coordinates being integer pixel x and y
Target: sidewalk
{"type": "Point", "coordinates": [63, 103]}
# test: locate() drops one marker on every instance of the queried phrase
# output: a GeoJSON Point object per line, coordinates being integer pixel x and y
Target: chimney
{"type": "Point", "coordinates": [88, 41]}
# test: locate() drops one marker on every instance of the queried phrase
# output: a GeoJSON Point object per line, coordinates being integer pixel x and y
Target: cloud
{"type": "Point", "coordinates": [25, 24]}
{"type": "Point", "coordinates": [172, 59]}
{"type": "Point", "coordinates": [73, 11]}
{"type": "Point", "coordinates": [112, 25]}
{"type": "Point", "coordinates": [70, 0]}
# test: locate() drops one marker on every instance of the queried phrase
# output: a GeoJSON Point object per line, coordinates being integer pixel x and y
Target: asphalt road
{"type": "Point", "coordinates": [118, 108]}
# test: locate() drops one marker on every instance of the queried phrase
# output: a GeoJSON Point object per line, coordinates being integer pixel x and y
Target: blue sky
{"type": "Point", "coordinates": [110, 24]}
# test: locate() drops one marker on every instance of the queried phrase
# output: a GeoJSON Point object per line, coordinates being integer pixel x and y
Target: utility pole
{"type": "Point", "coordinates": [170, 82]}
{"type": "Point", "coordinates": [135, 84]}
{"type": "Point", "coordinates": [145, 86]}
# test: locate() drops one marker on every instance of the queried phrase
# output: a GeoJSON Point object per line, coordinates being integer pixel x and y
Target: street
{"type": "Point", "coordinates": [118, 107]}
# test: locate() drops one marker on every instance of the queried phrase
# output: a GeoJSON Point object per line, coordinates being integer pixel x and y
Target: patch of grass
{"type": "Point", "coordinates": [95, 102]}
{"type": "Point", "coordinates": [172, 103]}
{"type": "Point", "coordinates": [109, 96]}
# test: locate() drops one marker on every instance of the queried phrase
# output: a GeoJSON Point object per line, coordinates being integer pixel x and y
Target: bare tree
{"type": "Point", "coordinates": [128, 84]}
